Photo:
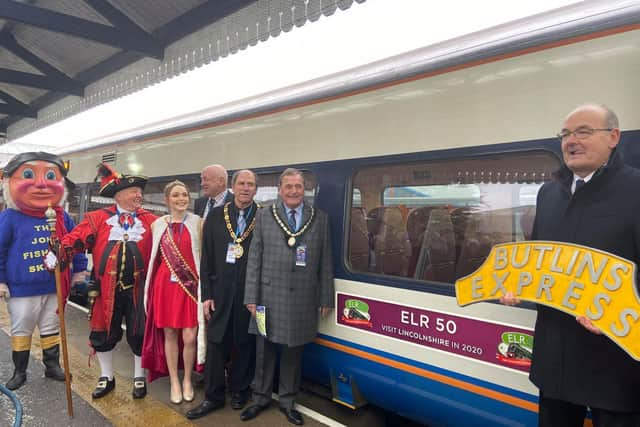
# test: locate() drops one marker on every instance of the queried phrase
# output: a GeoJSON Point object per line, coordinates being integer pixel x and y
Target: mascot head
{"type": "Point", "coordinates": [31, 181]}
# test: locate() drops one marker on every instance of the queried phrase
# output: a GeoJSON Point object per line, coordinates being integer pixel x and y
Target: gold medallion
{"type": "Point", "coordinates": [291, 242]}
{"type": "Point", "coordinates": [238, 250]}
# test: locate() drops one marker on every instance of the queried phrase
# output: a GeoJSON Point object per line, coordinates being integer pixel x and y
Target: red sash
{"type": "Point", "coordinates": [175, 262]}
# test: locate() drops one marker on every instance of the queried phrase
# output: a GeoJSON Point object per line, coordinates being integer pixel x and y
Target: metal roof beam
{"type": "Point", "coordinates": [16, 107]}
{"type": "Point", "coordinates": [9, 42]}
{"type": "Point", "coordinates": [122, 38]}
{"type": "Point", "coordinates": [41, 82]}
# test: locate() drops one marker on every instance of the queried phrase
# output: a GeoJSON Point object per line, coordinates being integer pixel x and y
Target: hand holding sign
{"type": "Point", "coordinates": [597, 287]}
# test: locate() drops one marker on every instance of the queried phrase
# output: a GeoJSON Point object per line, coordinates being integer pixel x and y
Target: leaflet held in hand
{"type": "Point", "coordinates": [261, 320]}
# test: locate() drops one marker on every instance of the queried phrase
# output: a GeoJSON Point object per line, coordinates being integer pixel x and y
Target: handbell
{"type": "Point", "coordinates": [93, 292]}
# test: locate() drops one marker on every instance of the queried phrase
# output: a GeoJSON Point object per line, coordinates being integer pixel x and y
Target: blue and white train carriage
{"type": "Point", "coordinates": [423, 161]}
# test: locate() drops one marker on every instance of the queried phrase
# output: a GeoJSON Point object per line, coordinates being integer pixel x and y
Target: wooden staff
{"type": "Point", "coordinates": [51, 220]}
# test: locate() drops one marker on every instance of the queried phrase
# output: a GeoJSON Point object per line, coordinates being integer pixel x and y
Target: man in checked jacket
{"type": "Point", "coordinates": [290, 273]}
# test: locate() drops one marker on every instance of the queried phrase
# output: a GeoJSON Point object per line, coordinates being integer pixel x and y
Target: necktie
{"type": "Point", "coordinates": [242, 223]}
{"type": "Point", "coordinates": [210, 204]}
{"type": "Point", "coordinates": [292, 220]}
{"type": "Point", "coordinates": [579, 184]}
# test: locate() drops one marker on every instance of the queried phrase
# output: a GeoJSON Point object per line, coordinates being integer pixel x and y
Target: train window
{"type": "Point", "coordinates": [356, 200]}
{"type": "Point", "coordinates": [438, 220]}
{"type": "Point", "coordinates": [72, 205]}
{"type": "Point", "coordinates": [268, 188]}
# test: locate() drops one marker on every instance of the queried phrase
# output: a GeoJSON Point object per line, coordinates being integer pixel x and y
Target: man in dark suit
{"type": "Point", "coordinates": [290, 273]}
{"type": "Point", "coordinates": [213, 180]}
{"type": "Point", "coordinates": [226, 238]}
{"type": "Point", "coordinates": [592, 202]}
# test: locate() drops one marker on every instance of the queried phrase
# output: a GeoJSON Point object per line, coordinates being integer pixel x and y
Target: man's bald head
{"type": "Point", "coordinates": [213, 180]}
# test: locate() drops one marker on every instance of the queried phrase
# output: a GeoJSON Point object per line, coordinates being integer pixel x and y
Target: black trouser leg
{"type": "Point", "coordinates": [558, 413]}
{"type": "Point", "coordinates": [243, 366]}
{"type": "Point", "coordinates": [135, 333]}
{"type": "Point", "coordinates": [122, 307]}
{"type": "Point", "coordinates": [214, 389]}
{"type": "Point", "coordinates": [604, 418]}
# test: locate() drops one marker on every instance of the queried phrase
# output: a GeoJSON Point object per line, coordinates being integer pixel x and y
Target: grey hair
{"type": "Point", "coordinates": [610, 116]}
{"type": "Point", "coordinates": [290, 172]}
{"type": "Point", "coordinates": [237, 173]}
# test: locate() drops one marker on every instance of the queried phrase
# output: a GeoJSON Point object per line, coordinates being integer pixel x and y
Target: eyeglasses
{"type": "Point", "coordinates": [581, 133]}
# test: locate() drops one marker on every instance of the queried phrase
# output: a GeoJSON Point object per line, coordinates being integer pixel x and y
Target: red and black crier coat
{"type": "Point", "coordinates": [93, 234]}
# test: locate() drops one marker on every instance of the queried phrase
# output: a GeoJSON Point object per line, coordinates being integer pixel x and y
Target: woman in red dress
{"type": "Point", "coordinates": [172, 294]}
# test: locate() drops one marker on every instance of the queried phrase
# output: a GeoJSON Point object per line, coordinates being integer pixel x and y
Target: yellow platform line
{"type": "Point", "coordinates": [119, 407]}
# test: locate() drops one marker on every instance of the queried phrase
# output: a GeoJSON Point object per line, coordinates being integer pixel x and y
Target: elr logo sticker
{"type": "Point", "coordinates": [356, 312]}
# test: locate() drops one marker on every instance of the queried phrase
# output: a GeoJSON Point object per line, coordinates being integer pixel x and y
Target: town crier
{"type": "Point", "coordinates": [32, 182]}
{"type": "Point", "coordinates": [119, 237]}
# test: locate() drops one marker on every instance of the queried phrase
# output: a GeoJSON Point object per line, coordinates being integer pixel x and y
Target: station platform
{"type": "Point", "coordinates": [45, 404]}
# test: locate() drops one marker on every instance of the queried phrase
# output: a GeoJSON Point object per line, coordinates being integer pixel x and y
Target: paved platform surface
{"type": "Point", "coordinates": [44, 400]}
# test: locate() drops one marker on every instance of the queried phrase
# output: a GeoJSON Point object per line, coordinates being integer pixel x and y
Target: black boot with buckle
{"type": "Point", "coordinates": [20, 361]}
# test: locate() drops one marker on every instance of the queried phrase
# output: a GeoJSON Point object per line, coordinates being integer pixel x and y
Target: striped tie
{"type": "Point", "coordinates": [292, 220]}
{"type": "Point", "coordinates": [242, 223]}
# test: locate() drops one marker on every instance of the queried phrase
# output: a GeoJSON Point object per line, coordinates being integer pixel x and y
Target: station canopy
{"type": "Point", "coordinates": [61, 57]}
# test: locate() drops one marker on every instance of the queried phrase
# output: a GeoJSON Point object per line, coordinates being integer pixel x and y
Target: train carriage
{"type": "Point", "coordinates": [423, 162]}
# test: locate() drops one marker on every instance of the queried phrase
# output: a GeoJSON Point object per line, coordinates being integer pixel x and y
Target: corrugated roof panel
{"type": "Point", "coordinates": [13, 62]}
{"type": "Point", "coordinates": [77, 8]}
{"type": "Point", "coordinates": [68, 54]}
{"type": "Point", "coordinates": [180, 35]}
{"type": "Point", "coordinates": [21, 93]}
{"type": "Point", "coordinates": [162, 12]}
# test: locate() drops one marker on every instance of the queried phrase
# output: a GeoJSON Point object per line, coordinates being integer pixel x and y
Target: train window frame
{"type": "Point", "coordinates": [545, 159]}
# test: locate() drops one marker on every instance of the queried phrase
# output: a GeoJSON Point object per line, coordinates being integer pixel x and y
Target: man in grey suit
{"type": "Point", "coordinates": [290, 273]}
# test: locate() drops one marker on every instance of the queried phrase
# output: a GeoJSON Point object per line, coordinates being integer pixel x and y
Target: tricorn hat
{"type": "Point", "coordinates": [32, 156]}
{"type": "Point", "coordinates": [111, 181]}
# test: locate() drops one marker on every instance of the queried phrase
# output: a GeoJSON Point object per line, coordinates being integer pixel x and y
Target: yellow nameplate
{"type": "Point", "coordinates": [575, 279]}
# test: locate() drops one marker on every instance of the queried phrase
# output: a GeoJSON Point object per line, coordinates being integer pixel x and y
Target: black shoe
{"type": "Point", "coordinates": [203, 409]}
{"type": "Point", "coordinates": [139, 387]}
{"type": "Point", "coordinates": [252, 411]}
{"type": "Point", "coordinates": [293, 416]}
{"type": "Point", "coordinates": [104, 387]}
{"type": "Point", "coordinates": [239, 399]}
{"type": "Point", "coordinates": [20, 361]}
{"type": "Point", "coordinates": [51, 360]}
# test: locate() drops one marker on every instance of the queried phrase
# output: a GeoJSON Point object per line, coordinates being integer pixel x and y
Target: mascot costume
{"type": "Point", "coordinates": [30, 183]}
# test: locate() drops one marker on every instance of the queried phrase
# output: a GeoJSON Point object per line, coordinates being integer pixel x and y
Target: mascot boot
{"type": "Point", "coordinates": [51, 357]}
{"type": "Point", "coordinates": [20, 361]}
